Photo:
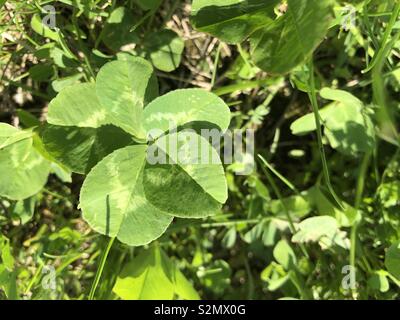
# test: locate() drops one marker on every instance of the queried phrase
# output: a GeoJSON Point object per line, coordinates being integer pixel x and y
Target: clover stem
{"type": "Point", "coordinates": [100, 269]}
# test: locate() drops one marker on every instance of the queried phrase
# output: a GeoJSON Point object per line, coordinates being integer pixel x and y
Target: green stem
{"type": "Point", "coordinates": [35, 277]}
{"type": "Point", "coordinates": [243, 54]}
{"type": "Point", "coordinates": [361, 180]}
{"type": "Point", "coordinates": [359, 193]}
{"type": "Point", "coordinates": [214, 75]}
{"type": "Point", "coordinates": [314, 104]}
{"type": "Point", "coordinates": [100, 269]}
{"type": "Point", "coordinates": [143, 19]}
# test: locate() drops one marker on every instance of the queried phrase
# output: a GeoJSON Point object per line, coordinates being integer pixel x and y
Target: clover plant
{"type": "Point", "coordinates": [107, 130]}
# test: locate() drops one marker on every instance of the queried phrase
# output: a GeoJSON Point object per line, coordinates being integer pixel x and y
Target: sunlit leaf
{"type": "Point", "coordinates": [113, 201]}
{"type": "Point", "coordinates": [282, 45]}
{"type": "Point", "coordinates": [232, 21]}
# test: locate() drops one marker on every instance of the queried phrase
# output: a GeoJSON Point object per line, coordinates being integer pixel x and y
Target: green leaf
{"type": "Point", "coordinates": [24, 210]}
{"type": "Point", "coordinates": [348, 127]}
{"type": "Point", "coordinates": [118, 97]}
{"type": "Point", "coordinates": [10, 136]}
{"type": "Point", "coordinates": [196, 185]}
{"type": "Point", "coordinates": [62, 58]}
{"type": "Point", "coordinates": [306, 123]}
{"type": "Point", "coordinates": [232, 21]}
{"type": "Point", "coordinates": [389, 194]}
{"type": "Point", "coordinates": [341, 96]}
{"type": "Point", "coordinates": [24, 170]}
{"type": "Point", "coordinates": [379, 281]}
{"type": "Point", "coordinates": [322, 229]}
{"type": "Point", "coordinates": [152, 275]}
{"type": "Point", "coordinates": [242, 68]}
{"type": "Point", "coordinates": [164, 49]}
{"type": "Point", "coordinates": [264, 231]}
{"type": "Point", "coordinates": [146, 277]}
{"type": "Point", "coordinates": [297, 205]}
{"type": "Point", "coordinates": [8, 274]}
{"type": "Point", "coordinates": [123, 89]}
{"type": "Point", "coordinates": [6, 131]}
{"type": "Point", "coordinates": [285, 255]}
{"type": "Point", "coordinates": [183, 288]}
{"type": "Point", "coordinates": [39, 27]}
{"type": "Point", "coordinates": [392, 260]}
{"type": "Point", "coordinates": [312, 229]}
{"type": "Point", "coordinates": [117, 32]}
{"type": "Point", "coordinates": [62, 173]}
{"type": "Point", "coordinates": [124, 196]}
{"type": "Point", "coordinates": [345, 218]}
{"type": "Point", "coordinates": [277, 282]}
{"type": "Point", "coordinates": [229, 239]}
{"type": "Point", "coordinates": [185, 106]}
{"type": "Point", "coordinates": [78, 106]}
{"type": "Point", "coordinates": [27, 119]}
{"type": "Point", "coordinates": [41, 72]}
{"type": "Point", "coordinates": [113, 201]}
{"type": "Point", "coordinates": [291, 39]}
{"type": "Point", "coordinates": [62, 83]}
{"type": "Point", "coordinates": [5, 253]}
{"type": "Point", "coordinates": [8, 283]}
{"type": "Point", "coordinates": [80, 149]}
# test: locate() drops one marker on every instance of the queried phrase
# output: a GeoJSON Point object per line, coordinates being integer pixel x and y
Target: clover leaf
{"type": "Point", "coordinates": [137, 182]}
{"type": "Point", "coordinates": [24, 170]}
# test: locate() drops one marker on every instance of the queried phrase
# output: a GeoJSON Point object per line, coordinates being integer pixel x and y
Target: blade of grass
{"type": "Point", "coordinates": [381, 51]}
{"type": "Point", "coordinates": [216, 62]}
{"type": "Point", "coordinates": [280, 176]}
{"type": "Point", "coordinates": [100, 269]}
{"type": "Point", "coordinates": [314, 103]}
